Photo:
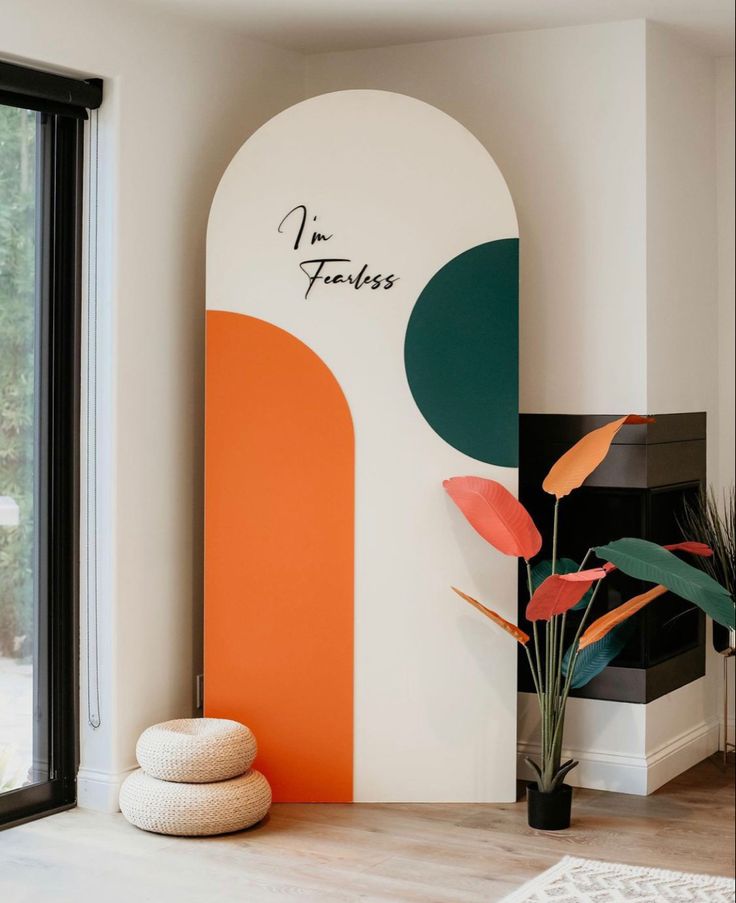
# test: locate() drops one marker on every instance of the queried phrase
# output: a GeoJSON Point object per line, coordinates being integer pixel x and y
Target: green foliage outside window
{"type": "Point", "coordinates": [17, 321]}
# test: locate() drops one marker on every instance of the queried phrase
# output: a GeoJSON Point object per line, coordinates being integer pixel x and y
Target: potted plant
{"type": "Point", "coordinates": [559, 586]}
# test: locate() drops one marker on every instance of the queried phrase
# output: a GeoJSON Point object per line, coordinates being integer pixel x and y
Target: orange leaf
{"type": "Point", "coordinates": [577, 464]}
{"type": "Point", "coordinates": [493, 512]}
{"type": "Point", "coordinates": [555, 596]}
{"type": "Point", "coordinates": [515, 632]}
{"type": "Point", "coordinates": [598, 629]}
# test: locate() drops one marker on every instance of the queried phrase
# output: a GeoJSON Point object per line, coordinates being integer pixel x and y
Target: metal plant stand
{"type": "Point", "coordinates": [727, 653]}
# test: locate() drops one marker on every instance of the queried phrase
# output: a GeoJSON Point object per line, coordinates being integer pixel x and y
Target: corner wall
{"type": "Point", "coordinates": [690, 320]}
{"type": "Point", "coordinates": [726, 283]}
{"type": "Point", "coordinates": [180, 98]}
{"type": "Point", "coordinates": [681, 239]}
{"type": "Point", "coordinates": [725, 165]}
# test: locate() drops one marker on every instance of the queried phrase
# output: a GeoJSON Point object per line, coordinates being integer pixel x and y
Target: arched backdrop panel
{"type": "Point", "coordinates": [377, 232]}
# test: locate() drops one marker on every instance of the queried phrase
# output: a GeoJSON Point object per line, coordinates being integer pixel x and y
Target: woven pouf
{"type": "Point", "coordinates": [191, 810]}
{"type": "Point", "coordinates": [196, 750]}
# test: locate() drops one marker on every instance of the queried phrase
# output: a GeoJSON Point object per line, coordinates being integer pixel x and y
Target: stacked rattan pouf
{"type": "Point", "coordinates": [195, 779]}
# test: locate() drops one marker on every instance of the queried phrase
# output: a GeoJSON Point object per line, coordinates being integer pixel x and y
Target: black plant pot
{"type": "Point", "coordinates": [549, 811]}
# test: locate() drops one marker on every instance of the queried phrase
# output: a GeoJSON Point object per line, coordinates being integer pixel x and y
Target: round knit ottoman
{"type": "Point", "coordinates": [196, 750]}
{"type": "Point", "coordinates": [191, 810]}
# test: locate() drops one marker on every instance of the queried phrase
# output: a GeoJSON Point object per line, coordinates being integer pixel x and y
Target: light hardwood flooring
{"type": "Point", "coordinates": [342, 853]}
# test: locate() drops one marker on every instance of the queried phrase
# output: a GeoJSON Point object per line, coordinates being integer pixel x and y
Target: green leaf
{"type": "Point", "coordinates": [543, 569]}
{"type": "Point", "coordinates": [562, 772]}
{"type": "Point", "coordinates": [594, 658]}
{"type": "Point", "coordinates": [648, 561]}
{"type": "Point", "coordinates": [538, 771]}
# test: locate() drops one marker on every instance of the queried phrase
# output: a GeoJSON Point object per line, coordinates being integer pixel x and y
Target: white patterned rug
{"type": "Point", "coordinates": [588, 881]}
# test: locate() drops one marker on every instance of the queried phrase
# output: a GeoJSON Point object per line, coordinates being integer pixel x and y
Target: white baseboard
{"type": "Point", "coordinates": [597, 770]}
{"type": "Point", "coordinates": [99, 790]}
{"type": "Point", "coordinates": [640, 775]}
{"type": "Point", "coordinates": [681, 753]}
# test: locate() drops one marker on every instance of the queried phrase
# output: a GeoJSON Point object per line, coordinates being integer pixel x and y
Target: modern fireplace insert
{"type": "Point", "coordinates": [639, 490]}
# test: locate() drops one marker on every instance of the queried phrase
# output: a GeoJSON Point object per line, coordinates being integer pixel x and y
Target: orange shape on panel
{"type": "Point", "coordinates": [279, 555]}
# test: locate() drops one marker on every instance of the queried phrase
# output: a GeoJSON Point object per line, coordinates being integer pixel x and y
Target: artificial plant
{"type": "Point", "coordinates": [558, 586]}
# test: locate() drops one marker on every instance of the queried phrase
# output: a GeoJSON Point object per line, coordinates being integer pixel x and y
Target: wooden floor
{"type": "Point", "coordinates": [422, 853]}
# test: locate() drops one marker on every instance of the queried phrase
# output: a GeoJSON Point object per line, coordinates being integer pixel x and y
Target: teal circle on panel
{"type": "Point", "coordinates": [461, 352]}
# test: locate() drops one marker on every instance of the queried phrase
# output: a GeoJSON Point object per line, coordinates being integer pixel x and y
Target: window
{"type": "Point", "coordinates": [42, 121]}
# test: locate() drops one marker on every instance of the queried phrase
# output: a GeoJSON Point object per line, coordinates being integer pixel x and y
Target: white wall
{"type": "Point", "coordinates": [682, 292]}
{"type": "Point", "coordinates": [726, 285]}
{"type": "Point", "coordinates": [562, 113]}
{"type": "Point", "coordinates": [180, 98]}
{"type": "Point", "coordinates": [690, 264]}
{"type": "Point", "coordinates": [681, 231]}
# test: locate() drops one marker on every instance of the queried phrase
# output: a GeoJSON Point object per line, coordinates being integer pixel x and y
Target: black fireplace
{"type": "Point", "coordinates": [639, 490]}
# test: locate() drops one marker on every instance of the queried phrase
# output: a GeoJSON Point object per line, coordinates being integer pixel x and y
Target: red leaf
{"type": "Point", "coordinates": [494, 513]}
{"type": "Point", "coordinates": [555, 596]}
{"type": "Point", "coordinates": [589, 574]}
{"type": "Point", "coordinates": [694, 548]}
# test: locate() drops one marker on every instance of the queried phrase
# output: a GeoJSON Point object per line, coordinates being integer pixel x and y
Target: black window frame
{"type": "Point", "coordinates": [60, 104]}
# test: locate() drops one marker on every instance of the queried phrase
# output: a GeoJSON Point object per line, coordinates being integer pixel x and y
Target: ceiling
{"type": "Point", "coordinates": [315, 26]}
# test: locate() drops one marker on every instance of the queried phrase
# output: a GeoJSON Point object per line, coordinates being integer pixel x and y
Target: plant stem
{"type": "Point", "coordinates": [531, 668]}
{"type": "Point", "coordinates": [538, 662]}
{"type": "Point", "coordinates": [560, 653]}
{"type": "Point", "coordinates": [553, 653]}
{"type": "Point", "coordinates": [562, 630]}
{"type": "Point", "coordinates": [557, 735]}
{"type": "Point", "coordinates": [551, 639]}
{"type": "Point", "coordinates": [535, 666]}
{"type": "Point", "coordinates": [538, 681]}
{"type": "Point", "coordinates": [546, 721]}
{"type": "Point", "coordinates": [581, 625]}
{"type": "Point", "coordinates": [585, 559]}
